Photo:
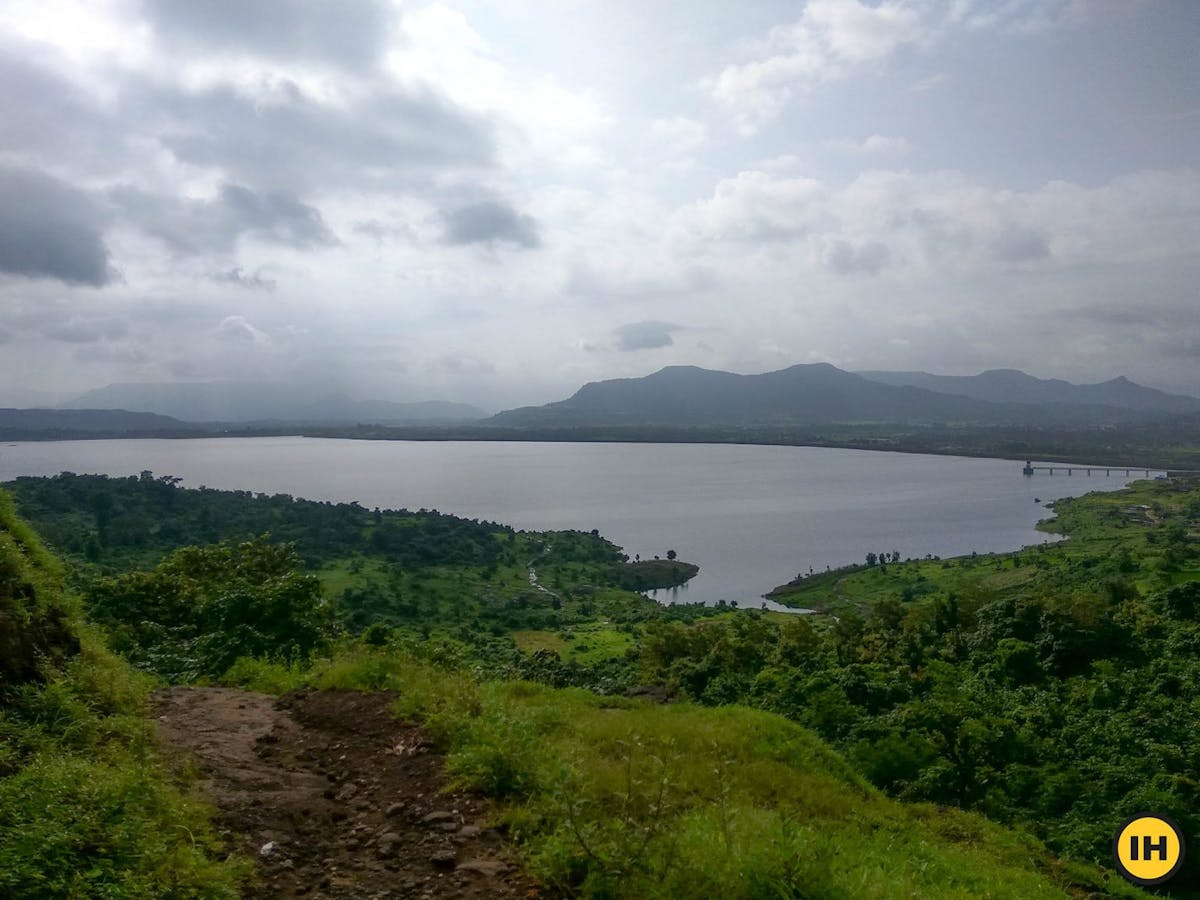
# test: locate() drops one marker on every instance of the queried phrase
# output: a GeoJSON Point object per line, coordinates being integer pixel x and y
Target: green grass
{"type": "Point", "coordinates": [87, 807]}
{"type": "Point", "coordinates": [586, 643]}
{"type": "Point", "coordinates": [611, 797]}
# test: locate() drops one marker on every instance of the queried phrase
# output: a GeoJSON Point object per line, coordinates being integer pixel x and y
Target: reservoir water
{"type": "Point", "coordinates": [751, 517]}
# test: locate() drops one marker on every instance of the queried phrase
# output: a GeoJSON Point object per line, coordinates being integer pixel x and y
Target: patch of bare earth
{"type": "Point", "coordinates": [334, 798]}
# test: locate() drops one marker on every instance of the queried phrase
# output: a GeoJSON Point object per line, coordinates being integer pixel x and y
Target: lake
{"type": "Point", "coordinates": [751, 517]}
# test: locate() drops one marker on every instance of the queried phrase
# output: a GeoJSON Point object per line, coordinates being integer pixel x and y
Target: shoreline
{"type": "Point", "coordinates": [1083, 458]}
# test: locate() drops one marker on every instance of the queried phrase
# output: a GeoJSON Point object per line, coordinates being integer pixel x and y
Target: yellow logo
{"type": "Point", "coordinates": [1148, 848]}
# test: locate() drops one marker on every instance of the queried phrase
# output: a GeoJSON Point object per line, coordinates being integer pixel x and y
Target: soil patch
{"type": "Point", "coordinates": [335, 798]}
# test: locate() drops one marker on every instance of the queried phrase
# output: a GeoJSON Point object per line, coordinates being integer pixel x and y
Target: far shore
{"type": "Point", "coordinates": [1130, 448]}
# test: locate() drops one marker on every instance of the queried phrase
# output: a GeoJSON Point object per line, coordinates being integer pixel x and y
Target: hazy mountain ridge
{"type": "Point", "coordinates": [1014, 386]}
{"type": "Point", "coordinates": [817, 393]}
{"type": "Point", "coordinates": [86, 420]}
{"type": "Point", "coordinates": [245, 402]}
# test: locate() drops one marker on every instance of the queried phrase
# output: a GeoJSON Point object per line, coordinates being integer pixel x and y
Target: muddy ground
{"type": "Point", "coordinates": [334, 798]}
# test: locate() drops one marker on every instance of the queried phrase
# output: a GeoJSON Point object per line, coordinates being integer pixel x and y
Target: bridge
{"type": "Point", "coordinates": [1031, 469]}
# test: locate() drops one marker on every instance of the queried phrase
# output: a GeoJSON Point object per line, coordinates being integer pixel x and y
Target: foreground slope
{"type": "Point", "coordinates": [616, 797]}
{"type": "Point", "coordinates": [86, 808]}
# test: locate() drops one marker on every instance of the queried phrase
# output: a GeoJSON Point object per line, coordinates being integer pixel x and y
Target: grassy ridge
{"type": "Point", "coordinates": [86, 807]}
{"type": "Point", "coordinates": [613, 797]}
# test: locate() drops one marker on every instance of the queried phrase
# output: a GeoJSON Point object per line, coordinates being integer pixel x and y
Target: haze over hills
{"type": "Point", "coordinates": [1013, 386]}
{"type": "Point", "coordinates": [818, 394]}
{"type": "Point", "coordinates": [266, 402]}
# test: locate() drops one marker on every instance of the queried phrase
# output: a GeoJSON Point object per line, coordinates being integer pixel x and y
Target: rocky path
{"type": "Point", "coordinates": [334, 798]}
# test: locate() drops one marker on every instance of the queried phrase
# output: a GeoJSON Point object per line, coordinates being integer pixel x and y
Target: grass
{"type": "Point", "coordinates": [586, 643]}
{"type": "Point", "coordinates": [87, 806]}
{"type": "Point", "coordinates": [612, 797]}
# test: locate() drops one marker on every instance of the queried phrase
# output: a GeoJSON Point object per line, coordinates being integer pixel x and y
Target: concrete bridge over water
{"type": "Point", "coordinates": [1071, 469]}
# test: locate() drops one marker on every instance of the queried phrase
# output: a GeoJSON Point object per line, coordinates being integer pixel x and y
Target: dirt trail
{"type": "Point", "coordinates": [334, 798]}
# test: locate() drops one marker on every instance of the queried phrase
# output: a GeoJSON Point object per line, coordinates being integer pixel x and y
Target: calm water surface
{"type": "Point", "coordinates": [751, 517]}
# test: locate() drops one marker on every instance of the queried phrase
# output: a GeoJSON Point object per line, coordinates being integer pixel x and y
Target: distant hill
{"type": "Point", "coordinates": [821, 394]}
{"type": "Point", "coordinates": [262, 403]}
{"type": "Point", "coordinates": [802, 394]}
{"type": "Point", "coordinates": [1013, 386]}
{"type": "Point", "coordinates": [18, 423]}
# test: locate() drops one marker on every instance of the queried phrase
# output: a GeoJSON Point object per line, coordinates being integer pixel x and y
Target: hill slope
{"type": "Point", "coordinates": [1013, 386]}
{"type": "Point", "coordinates": [16, 423]}
{"type": "Point", "coordinates": [613, 797]}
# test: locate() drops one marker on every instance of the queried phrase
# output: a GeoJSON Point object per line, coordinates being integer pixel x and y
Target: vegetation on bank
{"type": "Point", "coordinates": [1055, 689]}
{"type": "Point", "coordinates": [133, 541]}
{"type": "Point", "coordinates": [1144, 534]}
{"type": "Point", "coordinates": [1172, 442]}
{"type": "Point", "coordinates": [651, 574]}
{"type": "Point", "coordinates": [1165, 442]}
{"type": "Point", "coordinates": [87, 808]}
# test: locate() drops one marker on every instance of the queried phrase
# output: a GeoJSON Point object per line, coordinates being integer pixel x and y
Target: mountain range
{"type": "Point", "coordinates": [1013, 386]}
{"type": "Point", "coordinates": [677, 396]}
{"type": "Point", "coordinates": [823, 394]}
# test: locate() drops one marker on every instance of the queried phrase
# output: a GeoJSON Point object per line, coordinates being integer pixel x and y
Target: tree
{"type": "Point", "coordinates": [204, 607]}
{"type": "Point", "coordinates": [871, 559]}
{"type": "Point", "coordinates": [671, 554]}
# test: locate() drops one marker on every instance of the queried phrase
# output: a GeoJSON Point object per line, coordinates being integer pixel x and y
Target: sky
{"type": "Point", "coordinates": [496, 201]}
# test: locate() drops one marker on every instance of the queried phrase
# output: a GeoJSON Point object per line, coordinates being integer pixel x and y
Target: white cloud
{"type": "Point", "coordinates": [238, 328]}
{"type": "Point", "coordinates": [679, 135]}
{"type": "Point", "coordinates": [545, 120]}
{"type": "Point", "coordinates": [876, 143]}
{"type": "Point", "coordinates": [832, 39]}
{"type": "Point", "coordinates": [829, 40]}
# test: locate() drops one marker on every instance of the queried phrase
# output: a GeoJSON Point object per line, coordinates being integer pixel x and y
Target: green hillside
{"type": "Point", "coordinates": [86, 807]}
{"type": "Point", "coordinates": [615, 797]}
{"type": "Point", "coordinates": [604, 796]}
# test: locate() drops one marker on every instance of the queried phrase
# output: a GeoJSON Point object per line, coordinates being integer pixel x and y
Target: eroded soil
{"type": "Point", "coordinates": [334, 798]}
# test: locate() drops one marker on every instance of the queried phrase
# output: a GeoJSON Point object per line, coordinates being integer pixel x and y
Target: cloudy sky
{"type": "Point", "coordinates": [498, 200]}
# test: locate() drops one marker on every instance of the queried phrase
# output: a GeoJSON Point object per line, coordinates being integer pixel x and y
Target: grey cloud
{"type": "Point", "coordinates": [1181, 346]}
{"type": "Point", "coordinates": [383, 231]}
{"type": "Point", "coordinates": [182, 368]}
{"type": "Point", "coordinates": [239, 278]}
{"type": "Point", "coordinates": [123, 354]}
{"type": "Point", "coordinates": [587, 280]}
{"type": "Point", "coordinates": [197, 226]}
{"type": "Point", "coordinates": [48, 229]}
{"type": "Point", "coordinates": [348, 32]}
{"type": "Point", "coordinates": [647, 335]}
{"type": "Point", "coordinates": [277, 215]}
{"type": "Point", "coordinates": [846, 259]}
{"type": "Point", "coordinates": [46, 118]}
{"type": "Point", "coordinates": [82, 331]}
{"type": "Point", "coordinates": [388, 141]}
{"type": "Point", "coordinates": [490, 222]}
{"type": "Point", "coordinates": [463, 364]}
{"type": "Point", "coordinates": [1020, 246]}
{"type": "Point", "coordinates": [239, 330]}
